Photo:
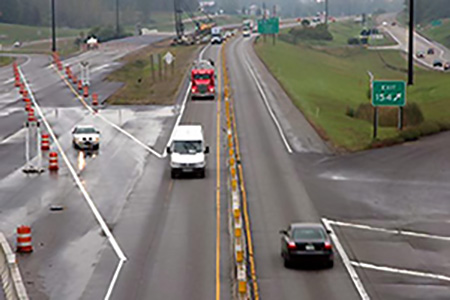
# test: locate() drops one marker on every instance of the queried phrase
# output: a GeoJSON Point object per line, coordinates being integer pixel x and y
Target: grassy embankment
{"type": "Point", "coordinates": [441, 33]}
{"type": "Point", "coordinates": [324, 82]}
{"type": "Point", "coordinates": [4, 61]}
{"type": "Point", "coordinates": [39, 37]}
{"type": "Point", "coordinates": [139, 86]}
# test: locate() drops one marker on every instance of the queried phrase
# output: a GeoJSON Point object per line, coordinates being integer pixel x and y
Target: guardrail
{"type": "Point", "coordinates": [245, 278]}
{"type": "Point", "coordinates": [11, 280]}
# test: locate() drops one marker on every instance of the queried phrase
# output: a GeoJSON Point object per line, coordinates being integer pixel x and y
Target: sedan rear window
{"type": "Point", "coordinates": [308, 234]}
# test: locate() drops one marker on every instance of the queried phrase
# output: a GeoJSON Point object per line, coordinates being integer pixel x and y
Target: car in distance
{"type": "Point", "coordinates": [306, 242]}
{"type": "Point", "coordinates": [430, 51]}
{"type": "Point", "coordinates": [447, 66]}
{"type": "Point", "coordinates": [437, 63]}
{"type": "Point", "coordinates": [85, 137]}
{"type": "Point", "coordinates": [420, 54]}
{"type": "Point", "coordinates": [246, 32]}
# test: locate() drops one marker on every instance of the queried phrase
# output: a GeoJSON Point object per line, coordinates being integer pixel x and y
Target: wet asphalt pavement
{"type": "Point", "coordinates": [167, 228]}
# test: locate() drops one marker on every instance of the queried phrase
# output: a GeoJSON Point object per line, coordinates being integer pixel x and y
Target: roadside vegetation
{"type": "Point", "coordinates": [440, 32]}
{"type": "Point", "coordinates": [10, 33]}
{"type": "Point", "coordinates": [330, 85]}
{"type": "Point", "coordinates": [4, 61]}
{"type": "Point", "coordinates": [136, 74]}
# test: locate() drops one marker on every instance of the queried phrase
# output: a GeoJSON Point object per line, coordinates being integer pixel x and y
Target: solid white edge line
{"type": "Point", "coordinates": [347, 263]}
{"type": "Point", "coordinates": [177, 122]}
{"type": "Point", "coordinates": [114, 279]}
{"type": "Point", "coordinates": [400, 271]}
{"type": "Point", "coordinates": [390, 231]}
{"type": "Point", "coordinates": [269, 108]}
{"type": "Point", "coordinates": [76, 178]}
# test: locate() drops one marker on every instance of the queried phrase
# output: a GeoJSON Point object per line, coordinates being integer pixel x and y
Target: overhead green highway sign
{"type": "Point", "coordinates": [269, 26]}
{"type": "Point", "coordinates": [388, 93]}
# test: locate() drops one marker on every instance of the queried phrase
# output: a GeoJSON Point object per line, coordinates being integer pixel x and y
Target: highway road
{"type": "Point", "coordinates": [387, 208]}
{"type": "Point", "coordinates": [401, 35]}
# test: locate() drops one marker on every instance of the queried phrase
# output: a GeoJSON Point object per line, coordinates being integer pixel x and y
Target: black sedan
{"type": "Point", "coordinates": [306, 242]}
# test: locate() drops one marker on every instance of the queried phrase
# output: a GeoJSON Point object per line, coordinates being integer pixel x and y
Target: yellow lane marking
{"type": "Point", "coordinates": [219, 103]}
{"type": "Point", "coordinates": [72, 88]}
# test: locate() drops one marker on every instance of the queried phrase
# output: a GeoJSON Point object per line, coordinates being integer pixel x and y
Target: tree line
{"type": "Point", "coordinates": [84, 13]}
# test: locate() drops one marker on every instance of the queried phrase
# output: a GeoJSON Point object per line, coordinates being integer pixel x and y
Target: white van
{"type": "Point", "coordinates": [187, 151]}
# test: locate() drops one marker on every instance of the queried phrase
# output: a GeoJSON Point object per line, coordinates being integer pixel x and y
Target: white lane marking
{"type": "Point", "coordinates": [269, 108]}
{"type": "Point", "coordinates": [347, 263]}
{"type": "Point", "coordinates": [151, 150]}
{"type": "Point", "coordinates": [114, 280]}
{"type": "Point", "coordinates": [200, 56]}
{"type": "Point", "coordinates": [400, 271]}
{"type": "Point", "coordinates": [177, 122]}
{"type": "Point", "coordinates": [16, 136]}
{"type": "Point", "coordinates": [77, 180]}
{"type": "Point", "coordinates": [391, 231]}
{"type": "Point", "coordinates": [93, 112]}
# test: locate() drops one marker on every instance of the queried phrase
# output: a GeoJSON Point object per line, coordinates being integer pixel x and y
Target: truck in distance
{"type": "Point", "coordinates": [203, 80]}
{"type": "Point", "coordinates": [216, 35]}
{"type": "Point", "coordinates": [188, 151]}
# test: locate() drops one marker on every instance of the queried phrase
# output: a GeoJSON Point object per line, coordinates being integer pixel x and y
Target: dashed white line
{"type": "Point", "coordinates": [87, 197]}
{"type": "Point", "coordinates": [347, 263]}
{"type": "Point", "coordinates": [400, 271]}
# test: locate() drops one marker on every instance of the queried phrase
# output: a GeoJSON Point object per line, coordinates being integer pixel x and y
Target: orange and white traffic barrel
{"type": "Point", "coordinates": [45, 142]}
{"type": "Point", "coordinates": [22, 88]}
{"type": "Point", "coordinates": [85, 91]}
{"type": "Point", "coordinates": [28, 106]}
{"type": "Point", "coordinates": [74, 79]}
{"type": "Point", "coordinates": [24, 239]}
{"type": "Point", "coordinates": [53, 161]}
{"type": "Point", "coordinates": [80, 85]}
{"type": "Point", "coordinates": [31, 116]}
{"type": "Point", "coordinates": [17, 78]}
{"type": "Point", "coordinates": [94, 99]}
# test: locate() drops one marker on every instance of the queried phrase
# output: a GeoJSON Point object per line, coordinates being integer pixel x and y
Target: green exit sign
{"type": "Point", "coordinates": [269, 26]}
{"type": "Point", "coordinates": [388, 93]}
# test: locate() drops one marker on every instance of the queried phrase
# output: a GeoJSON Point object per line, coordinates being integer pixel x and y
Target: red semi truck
{"type": "Point", "coordinates": [203, 80]}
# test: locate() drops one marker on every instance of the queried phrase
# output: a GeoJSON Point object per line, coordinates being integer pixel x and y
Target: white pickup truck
{"type": "Point", "coordinates": [187, 151]}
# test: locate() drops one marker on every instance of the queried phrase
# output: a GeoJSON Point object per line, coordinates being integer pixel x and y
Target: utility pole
{"type": "Point", "coordinates": [53, 27]}
{"type": "Point", "coordinates": [117, 18]}
{"type": "Point", "coordinates": [179, 27]}
{"type": "Point", "coordinates": [326, 12]}
{"type": "Point", "coordinates": [411, 44]}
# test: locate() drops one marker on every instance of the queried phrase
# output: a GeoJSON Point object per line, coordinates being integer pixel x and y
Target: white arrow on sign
{"type": "Point", "coordinates": [169, 58]}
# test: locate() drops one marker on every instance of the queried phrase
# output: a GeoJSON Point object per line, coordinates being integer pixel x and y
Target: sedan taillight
{"type": "Point", "coordinates": [291, 245]}
{"type": "Point", "coordinates": [327, 246]}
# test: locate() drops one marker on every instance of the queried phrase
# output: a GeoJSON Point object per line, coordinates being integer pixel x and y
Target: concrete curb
{"type": "Point", "coordinates": [13, 285]}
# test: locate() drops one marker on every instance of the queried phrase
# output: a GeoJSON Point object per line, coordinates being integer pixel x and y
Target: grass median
{"type": "Point", "coordinates": [139, 85]}
{"type": "Point", "coordinates": [325, 83]}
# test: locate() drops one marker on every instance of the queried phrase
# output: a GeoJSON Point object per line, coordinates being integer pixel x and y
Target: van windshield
{"type": "Point", "coordinates": [187, 147]}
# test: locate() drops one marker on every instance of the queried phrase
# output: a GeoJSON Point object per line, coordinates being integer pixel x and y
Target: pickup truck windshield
{"type": "Point", "coordinates": [187, 147]}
